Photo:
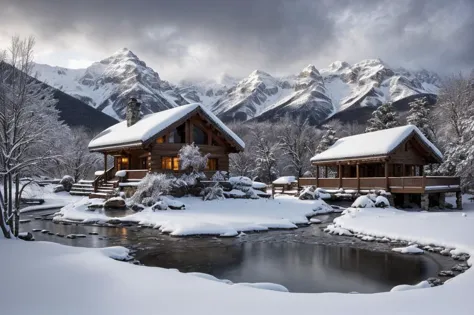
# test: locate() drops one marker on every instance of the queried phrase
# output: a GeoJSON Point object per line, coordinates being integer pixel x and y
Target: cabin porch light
{"type": "Point", "coordinates": [124, 159]}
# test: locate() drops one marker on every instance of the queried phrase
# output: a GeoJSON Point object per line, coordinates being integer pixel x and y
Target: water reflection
{"type": "Point", "coordinates": [303, 260]}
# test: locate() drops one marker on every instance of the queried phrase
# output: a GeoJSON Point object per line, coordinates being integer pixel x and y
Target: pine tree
{"type": "Point", "coordinates": [419, 116]}
{"type": "Point", "coordinates": [384, 117]}
{"type": "Point", "coordinates": [328, 139]}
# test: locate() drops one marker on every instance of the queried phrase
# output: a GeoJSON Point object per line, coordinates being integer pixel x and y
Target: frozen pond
{"type": "Point", "coordinates": [303, 260]}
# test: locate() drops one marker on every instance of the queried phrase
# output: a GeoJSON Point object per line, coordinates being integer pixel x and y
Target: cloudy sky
{"type": "Point", "coordinates": [206, 38]}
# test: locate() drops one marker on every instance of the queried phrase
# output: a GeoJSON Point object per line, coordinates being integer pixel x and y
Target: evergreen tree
{"type": "Point", "coordinates": [384, 117]}
{"type": "Point", "coordinates": [328, 139]}
{"type": "Point", "coordinates": [419, 116]}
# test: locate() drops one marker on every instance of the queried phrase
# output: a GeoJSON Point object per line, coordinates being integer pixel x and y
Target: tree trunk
{"type": "Point", "coordinates": [3, 224]}
{"type": "Point", "coordinates": [16, 231]}
{"type": "Point", "coordinates": [10, 203]}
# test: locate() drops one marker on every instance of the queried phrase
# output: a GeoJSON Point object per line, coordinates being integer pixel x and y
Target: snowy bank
{"type": "Point", "coordinates": [217, 217]}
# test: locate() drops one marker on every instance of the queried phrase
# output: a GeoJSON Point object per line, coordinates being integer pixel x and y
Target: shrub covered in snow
{"type": "Point", "coordinates": [382, 202]}
{"type": "Point", "coordinates": [192, 178]}
{"type": "Point", "coordinates": [309, 193]}
{"type": "Point", "coordinates": [239, 181]}
{"type": "Point", "coordinates": [219, 176]}
{"type": "Point", "coordinates": [363, 202]}
{"type": "Point", "coordinates": [212, 193]}
{"type": "Point", "coordinates": [151, 187]}
{"type": "Point", "coordinates": [191, 159]}
{"type": "Point", "coordinates": [67, 182]}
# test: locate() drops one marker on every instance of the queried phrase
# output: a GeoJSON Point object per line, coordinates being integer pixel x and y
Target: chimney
{"type": "Point", "coordinates": [133, 111]}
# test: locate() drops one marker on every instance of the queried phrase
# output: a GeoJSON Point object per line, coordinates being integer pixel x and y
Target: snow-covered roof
{"type": "Point", "coordinates": [150, 125]}
{"type": "Point", "coordinates": [377, 143]}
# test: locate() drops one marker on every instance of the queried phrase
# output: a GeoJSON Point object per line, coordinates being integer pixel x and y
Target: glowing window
{"type": "Point", "coordinates": [211, 165]}
{"type": "Point", "coordinates": [170, 163]}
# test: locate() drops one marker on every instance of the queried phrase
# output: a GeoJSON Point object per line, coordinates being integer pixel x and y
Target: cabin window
{"type": "Point", "coordinates": [199, 136]}
{"type": "Point", "coordinates": [170, 163]}
{"type": "Point", "coordinates": [177, 135]}
{"type": "Point", "coordinates": [160, 140]}
{"type": "Point", "coordinates": [211, 165]}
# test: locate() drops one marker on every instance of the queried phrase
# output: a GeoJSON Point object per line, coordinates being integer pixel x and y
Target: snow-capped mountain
{"type": "Point", "coordinates": [108, 84]}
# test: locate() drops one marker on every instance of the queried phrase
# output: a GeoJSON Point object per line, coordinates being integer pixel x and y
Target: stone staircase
{"type": "Point", "coordinates": [86, 188]}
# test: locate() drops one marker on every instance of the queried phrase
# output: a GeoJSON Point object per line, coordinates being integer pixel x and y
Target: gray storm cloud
{"type": "Point", "coordinates": [182, 38]}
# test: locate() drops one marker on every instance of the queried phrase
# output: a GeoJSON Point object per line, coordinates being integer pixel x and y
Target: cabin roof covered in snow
{"type": "Point", "coordinates": [120, 135]}
{"type": "Point", "coordinates": [374, 144]}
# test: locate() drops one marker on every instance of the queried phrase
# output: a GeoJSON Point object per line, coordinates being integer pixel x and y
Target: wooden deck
{"type": "Point", "coordinates": [402, 185]}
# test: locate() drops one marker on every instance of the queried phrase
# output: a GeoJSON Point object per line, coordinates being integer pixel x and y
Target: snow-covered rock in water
{"type": "Point", "coordinates": [121, 173]}
{"type": "Point", "coordinates": [115, 203]}
{"type": "Point", "coordinates": [315, 221]}
{"type": "Point", "coordinates": [382, 202]}
{"type": "Point", "coordinates": [309, 193]}
{"type": "Point", "coordinates": [333, 229]}
{"type": "Point", "coordinates": [407, 287]}
{"type": "Point", "coordinates": [323, 194]}
{"type": "Point", "coordinates": [285, 180]}
{"type": "Point", "coordinates": [412, 249]}
{"type": "Point", "coordinates": [363, 202]}
{"type": "Point", "coordinates": [67, 182]}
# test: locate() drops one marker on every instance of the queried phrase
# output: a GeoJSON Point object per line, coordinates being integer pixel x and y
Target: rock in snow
{"type": "Point", "coordinates": [412, 249]}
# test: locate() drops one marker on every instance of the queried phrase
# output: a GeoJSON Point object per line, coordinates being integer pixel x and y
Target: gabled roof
{"type": "Point", "coordinates": [119, 135]}
{"type": "Point", "coordinates": [374, 144]}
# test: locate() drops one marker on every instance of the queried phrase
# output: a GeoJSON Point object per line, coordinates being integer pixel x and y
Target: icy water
{"type": "Point", "coordinates": [303, 260]}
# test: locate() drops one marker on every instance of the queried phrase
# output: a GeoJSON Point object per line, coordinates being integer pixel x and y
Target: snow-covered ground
{"type": "Point", "coordinates": [54, 279]}
{"type": "Point", "coordinates": [217, 217]}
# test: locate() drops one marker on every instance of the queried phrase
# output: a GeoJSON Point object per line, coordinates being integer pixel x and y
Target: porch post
{"type": "Point", "coordinates": [317, 176]}
{"type": "Point", "coordinates": [105, 167]}
{"type": "Point", "coordinates": [326, 171]}
{"type": "Point", "coordinates": [339, 172]}
{"type": "Point", "coordinates": [386, 175]}
{"type": "Point", "coordinates": [358, 177]}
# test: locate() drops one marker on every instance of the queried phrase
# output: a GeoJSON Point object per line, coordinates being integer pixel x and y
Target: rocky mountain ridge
{"type": "Point", "coordinates": [106, 85]}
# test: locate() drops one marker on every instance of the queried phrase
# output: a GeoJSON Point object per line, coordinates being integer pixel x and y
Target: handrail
{"type": "Point", "coordinates": [100, 178]}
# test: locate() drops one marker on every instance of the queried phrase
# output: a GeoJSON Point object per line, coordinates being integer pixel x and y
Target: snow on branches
{"type": "Point", "coordinates": [191, 159]}
{"type": "Point", "coordinates": [384, 117]}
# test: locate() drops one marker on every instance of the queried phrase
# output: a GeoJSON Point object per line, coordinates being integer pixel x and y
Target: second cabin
{"type": "Point", "coordinates": [391, 160]}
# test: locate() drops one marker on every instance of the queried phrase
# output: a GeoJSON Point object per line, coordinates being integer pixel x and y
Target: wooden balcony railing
{"type": "Point", "coordinates": [407, 184]}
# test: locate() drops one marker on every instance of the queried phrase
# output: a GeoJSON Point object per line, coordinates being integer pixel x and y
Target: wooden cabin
{"type": "Point", "coordinates": [392, 160]}
{"type": "Point", "coordinates": [151, 144]}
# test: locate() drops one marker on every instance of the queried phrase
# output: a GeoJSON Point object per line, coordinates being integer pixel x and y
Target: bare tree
{"type": "Point", "coordinates": [264, 151]}
{"type": "Point", "coordinates": [241, 164]}
{"type": "Point", "coordinates": [295, 140]}
{"type": "Point", "coordinates": [29, 122]}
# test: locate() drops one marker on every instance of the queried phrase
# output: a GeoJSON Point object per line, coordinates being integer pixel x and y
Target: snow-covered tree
{"type": "Point", "coordinates": [328, 139]}
{"type": "Point", "coordinates": [419, 115]}
{"type": "Point", "coordinates": [384, 117]}
{"type": "Point", "coordinates": [241, 164]}
{"type": "Point", "coordinates": [191, 159]}
{"type": "Point", "coordinates": [455, 110]}
{"type": "Point", "coordinates": [265, 153]}
{"type": "Point", "coordinates": [150, 188]}
{"type": "Point", "coordinates": [29, 123]}
{"type": "Point", "coordinates": [295, 139]}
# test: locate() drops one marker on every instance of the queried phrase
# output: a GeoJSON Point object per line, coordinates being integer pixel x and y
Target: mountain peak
{"type": "Point", "coordinates": [124, 53]}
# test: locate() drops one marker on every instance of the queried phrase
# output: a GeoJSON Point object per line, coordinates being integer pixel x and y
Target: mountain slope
{"type": "Point", "coordinates": [75, 113]}
{"type": "Point", "coordinates": [319, 95]}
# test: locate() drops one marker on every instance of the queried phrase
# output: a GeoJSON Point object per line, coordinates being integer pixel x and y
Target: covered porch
{"type": "Point", "coordinates": [379, 174]}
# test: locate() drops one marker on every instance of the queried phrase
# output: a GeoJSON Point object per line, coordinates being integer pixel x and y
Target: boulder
{"type": "Point", "coordinates": [58, 188]}
{"type": "Point", "coordinates": [160, 205]}
{"type": "Point", "coordinates": [26, 236]}
{"type": "Point", "coordinates": [138, 208]}
{"type": "Point", "coordinates": [446, 273]}
{"type": "Point", "coordinates": [308, 193]}
{"type": "Point", "coordinates": [67, 182]}
{"type": "Point", "coordinates": [115, 203]}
